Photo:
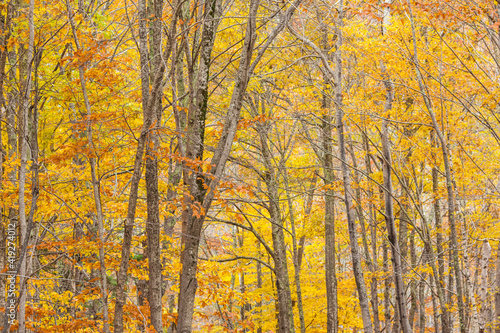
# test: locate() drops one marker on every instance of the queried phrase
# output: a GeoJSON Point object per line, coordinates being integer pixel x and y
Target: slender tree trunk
{"type": "Point", "coordinates": [335, 77]}
{"type": "Point", "coordinates": [388, 194]}
{"type": "Point", "coordinates": [307, 213]}
{"type": "Point", "coordinates": [389, 217]}
{"type": "Point", "coordinates": [330, 255]}
{"type": "Point", "coordinates": [259, 285]}
{"type": "Point", "coordinates": [439, 277]}
{"type": "Point", "coordinates": [175, 167]}
{"type": "Point", "coordinates": [374, 245]}
{"type": "Point", "coordinates": [295, 251]}
{"type": "Point", "coordinates": [471, 313]}
{"type": "Point", "coordinates": [387, 286]}
{"type": "Point", "coordinates": [359, 209]}
{"type": "Point", "coordinates": [496, 318]}
{"type": "Point", "coordinates": [435, 311]}
{"type": "Point", "coordinates": [10, 114]}
{"type": "Point", "coordinates": [148, 103]}
{"type": "Point", "coordinates": [359, 205]}
{"type": "Point", "coordinates": [403, 231]}
{"type": "Point", "coordinates": [450, 292]}
{"type": "Point", "coordinates": [153, 225]}
{"type": "Point", "coordinates": [449, 183]}
{"type": "Point", "coordinates": [348, 192]}
{"type": "Point", "coordinates": [95, 183]}
{"type": "Point", "coordinates": [413, 284]}
{"type": "Point", "coordinates": [153, 235]}
{"type": "Point", "coordinates": [374, 288]}
{"type": "Point", "coordinates": [23, 153]}
{"type": "Point", "coordinates": [483, 294]}
{"type": "Point", "coordinates": [280, 265]}
{"type": "Point", "coordinates": [496, 286]}
{"type": "Point", "coordinates": [421, 304]}
{"type": "Point", "coordinates": [429, 253]}
{"type": "Point", "coordinates": [3, 153]}
{"type": "Point", "coordinates": [329, 196]}
{"type": "Point", "coordinates": [285, 312]}
{"type": "Point", "coordinates": [490, 304]}
{"type": "Point", "coordinates": [202, 189]}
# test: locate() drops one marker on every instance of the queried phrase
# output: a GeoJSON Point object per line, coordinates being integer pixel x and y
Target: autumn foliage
{"type": "Point", "coordinates": [256, 154]}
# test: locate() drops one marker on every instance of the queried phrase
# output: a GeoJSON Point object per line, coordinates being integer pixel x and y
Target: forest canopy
{"type": "Point", "coordinates": [250, 166]}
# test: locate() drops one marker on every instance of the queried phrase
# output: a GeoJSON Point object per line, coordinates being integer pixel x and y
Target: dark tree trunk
{"type": "Point", "coordinates": [153, 225]}
{"type": "Point", "coordinates": [259, 285]}
{"type": "Point", "coordinates": [149, 100]}
{"type": "Point", "coordinates": [330, 264]}
{"type": "Point", "coordinates": [387, 287]}
{"type": "Point", "coordinates": [201, 189]}
{"type": "Point", "coordinates": [6, 20]}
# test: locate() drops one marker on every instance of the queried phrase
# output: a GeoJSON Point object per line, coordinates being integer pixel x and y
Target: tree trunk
{"type": "Point", "coordinates": [149, 106]}
{"type": "Point", "coordinates": [335, 77]}
{"type": "Point", "coordinates": [348, 192]}
{"type": "Point", "coordinates": [389, 218]}
{"type": "Point", "coordinates": [201, 188]}
{"type": "Point", "coordinates": [153, 225]}
{"type": "Point", "coordinates": [449, 183]}
{"type": "Point", "coordinates": [439, 277]}
{"type": "Point", "coordinates": [23, 153]}
{"type": "Point", "coordinates": [496, 317]}
{"type": "Point", "coordinates": [374, 245]}
{"type": "Point", "coordinates": [387, 286]}
{"type": "Point", "coordinates": [330, 263]}
{"type": "Point", "coordinates": [295, 249]}
{"type": "Point", "coordinates": [280, 264]}
{"type": "Point", "coordinates": [193, 213]}
{"type": "Point", "coordinates": [3, 153]}
{"type": "Point", "coordinates": [259, 285]}
{"type": "Point", "coordinates": [421, 301]}
{"type": "Point", "coordinates": [413, 284]}
{"type": "Point", "coordinates": [329, 196]}
{"type": "Point", "coordinates": [329, 178]}
{"type": "Point", "coordinates": [435, 311]}
{"type": "Point", "coordinates": [307, 213]}
{"type": "Point", "coordinates": [99, 219]}
{"type": "Point", "coordinates": [388, 193]}
{"type": "Point", "coordinates": [483, 294]}
{"type": "Point", "coordinates": [285, 313]}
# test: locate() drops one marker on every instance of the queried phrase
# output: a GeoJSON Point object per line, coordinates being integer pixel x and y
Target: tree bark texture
{"type": "Point", "coordinates": [149, 102]}
{"type": "Point", "coordinates": [201, 189]}
{"type": "Point", "coordinates": [23, 155]}
{"type": "Point", "coordinates": [330, 265]}
{"type": "Point", "coordinates": [153, 225]}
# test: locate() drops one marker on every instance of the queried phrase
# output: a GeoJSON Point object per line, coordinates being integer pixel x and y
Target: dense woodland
{"type": "Point", "coordinates": [250, 166]}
